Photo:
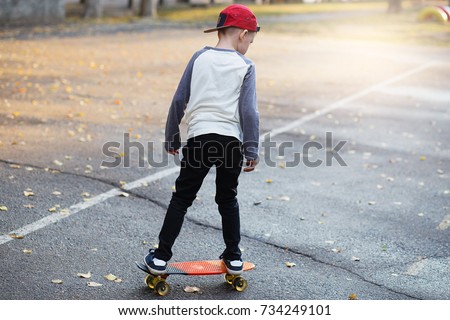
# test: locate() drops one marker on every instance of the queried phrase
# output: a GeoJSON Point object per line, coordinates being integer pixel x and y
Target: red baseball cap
{"type": "Point", "coordinates": [238, 16]}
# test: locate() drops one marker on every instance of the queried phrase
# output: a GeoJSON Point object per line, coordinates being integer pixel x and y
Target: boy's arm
{"type": "Point", "coordinates": [249, 118]}
{"type": "Point", "coordinates": [176, 111]}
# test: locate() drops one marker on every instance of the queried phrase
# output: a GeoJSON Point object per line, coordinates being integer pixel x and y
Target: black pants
{"type": "Point", "coordinates": [199, 155]}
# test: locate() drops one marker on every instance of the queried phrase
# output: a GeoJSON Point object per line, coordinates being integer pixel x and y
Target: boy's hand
{"type": "Point", "coordinates": [250, 165]}
{"type": "Point", "coordinates": [173, 151]}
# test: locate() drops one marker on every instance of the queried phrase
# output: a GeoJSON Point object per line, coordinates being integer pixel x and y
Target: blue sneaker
{"type": "Point", "coordinates": [154, 265]}
{"type": "Point", "coordinates": [234, 267]}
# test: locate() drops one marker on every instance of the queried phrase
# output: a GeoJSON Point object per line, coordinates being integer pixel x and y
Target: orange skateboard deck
{"type": "Point", "coordinates": [194, 268]}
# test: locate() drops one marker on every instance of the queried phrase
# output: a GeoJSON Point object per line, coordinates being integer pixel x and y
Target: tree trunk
{"type": "Point", "coordinates": [148, 8]}
{"type": "Point", "coordinates": [395, 6]}
{"type": "Point", "coordinates": [93, 8]}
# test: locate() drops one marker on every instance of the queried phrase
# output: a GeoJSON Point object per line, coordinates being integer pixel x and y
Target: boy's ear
{"type": "Point", "coordinates": [243, 34]}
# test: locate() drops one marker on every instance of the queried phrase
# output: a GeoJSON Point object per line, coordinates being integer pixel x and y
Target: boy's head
{"type": "Point", "coordinates": [237, 16]}
{"type": "Point", "coordinates": [238, 22]}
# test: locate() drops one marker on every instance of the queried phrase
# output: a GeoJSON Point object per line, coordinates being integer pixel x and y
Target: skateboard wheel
{"type": "Point", "coordinates": [162, 288]}
{"type": "Point", "coordinates": [149, 281]}
{"type": "Point", "coordinates": [229, 278]}
{"type": "Point", "coordinates": [240, 284]}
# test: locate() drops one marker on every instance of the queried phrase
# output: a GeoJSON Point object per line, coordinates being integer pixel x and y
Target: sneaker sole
{"type": "Point", "coordinates": [234, 272]}
{"type": "Point", "coordinates": [154, 271]}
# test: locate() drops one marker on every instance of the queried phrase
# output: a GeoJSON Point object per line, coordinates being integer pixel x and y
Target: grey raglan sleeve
{"type": "Point", "coordinates": [248, 114]}
{"type": "Point", "coordinates": [177, 108]}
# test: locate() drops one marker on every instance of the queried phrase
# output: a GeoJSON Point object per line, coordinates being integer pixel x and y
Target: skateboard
{"type": "Point", "coordinates": [161, 287]}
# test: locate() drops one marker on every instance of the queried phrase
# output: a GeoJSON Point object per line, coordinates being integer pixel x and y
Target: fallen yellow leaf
{"type": "Point", "coordinates": [27, 251]}
{"type": "Point", "coordinates": [352, 296]}
{"type": "Point", "coordinates": [111, 277]}
{"type": "Point", "coordinates": [16, 236]}
{"type": "Point", "coordinates": [15, 114]}
{"type": "Point", "coordinates": [3, 208]}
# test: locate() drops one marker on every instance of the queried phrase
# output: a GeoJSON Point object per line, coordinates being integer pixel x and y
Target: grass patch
{"type": "Point", "coordinates": [376, 26]}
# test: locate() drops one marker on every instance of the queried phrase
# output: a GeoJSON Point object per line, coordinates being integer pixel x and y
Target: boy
{"type": "Point", "coordinates": [217, 96]}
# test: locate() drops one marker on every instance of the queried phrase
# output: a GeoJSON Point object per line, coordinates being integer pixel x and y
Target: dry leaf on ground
{"type": "Point", "coordinates": [290, 264]}
{"type": "Point", "coordinates": [111, 277]}
{"type": "Point", "coordinates": [85, 275]}
{"type": "Point", "coordinates": [94, 284]}
{"type": "Point", "coordinates": [189, 289]}
{"type": "Point", "coordinates": [16, 236]}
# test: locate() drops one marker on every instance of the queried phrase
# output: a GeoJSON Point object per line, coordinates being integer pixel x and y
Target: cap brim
{"type": "Point", "coordinates": [218, 28]}
{"type": "Point", "coordinates": [214, 29]}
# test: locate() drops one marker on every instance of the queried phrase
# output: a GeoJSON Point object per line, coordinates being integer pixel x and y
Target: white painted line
{"type": "Point", "coordinates": [53, 218]}
{"type": "Point", "coordinates": [153, 177]}
{"type": "Point", "coordinates": [419, 93]}
{"type": "Point", "coordinates": [351, 98]}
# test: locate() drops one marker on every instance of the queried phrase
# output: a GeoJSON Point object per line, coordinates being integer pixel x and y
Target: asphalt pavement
{"type": "Point", "coordinates": [352, 199]}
